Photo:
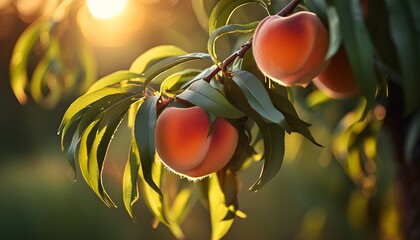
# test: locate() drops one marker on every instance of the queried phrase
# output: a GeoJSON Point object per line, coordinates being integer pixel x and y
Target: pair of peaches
{"type": "Point", "coordinates": [290, 51]}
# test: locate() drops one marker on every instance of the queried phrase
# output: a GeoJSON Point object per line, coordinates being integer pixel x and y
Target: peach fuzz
{"type": "Point", "coordinates": [185, 146]}
{"type": "Point", "coordinates": [337, 81]}
{"type": "Point", "coordinates": [291, 50]}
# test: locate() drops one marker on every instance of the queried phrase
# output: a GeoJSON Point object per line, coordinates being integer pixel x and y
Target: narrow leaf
{"type": "Point", "coordinates": [296, 124]}
{"type": "Point", "coordinates": [38, 78]}
{"type": "Point", "coordinates": [168, 63]}
{"type": "Point", "coordinates": [224, 30]}
{"type": "Point", "coordinates": [175, 82]}
{"type": "Point", "coordinates": [334, 32]}
{"type": "Point", "coordinates": [218, 209]}
{"type": "Point", "coordinates": [130, 179]}
{"type": "Point", "coordinates": [258, 98]}
{"type": "Point", "coordinates": [19, 60]}
{"type": "Point", "coordinates": [273, 137]}
{"type": "Point", "coordinates": [405, 32]}
{"type": "Point", "coordinates": [94, 145]}
{"type": "Point", "coordinates": [154, 199]}
{"type": "Point", "coordinates": [145, 136]}
{"type": "Point", "coordinates": [84, 101]}
{"type": "Point", "coordinates": [359, 49]}
{"type": "Point", "coordinates": [202, 94]}
{"type": "Point", "coordinates": [87, 116]}
{"type": "Point", "coordinates": [154, 55]}
{"type": "Point", "coordinates": [90, 172]}
{"type": "Point", "coordinates": [224, 9]}
{"type": "Point", "coordinates": [112, 79]}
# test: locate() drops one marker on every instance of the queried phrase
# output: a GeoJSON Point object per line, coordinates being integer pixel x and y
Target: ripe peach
{"type": "Point", "coordinates": [185, 146]}
{"type": "Point", "coordinates": [337, 81]}
{"type": "Point", "coordinates": [291, 50]}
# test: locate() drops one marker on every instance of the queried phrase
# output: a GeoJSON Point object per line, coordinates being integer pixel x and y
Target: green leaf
{"type": "Point", "coordinates": [404, 27]}
{"type": "Point", "coordinates": [153, 55]}
{"type": "Point", "coordinates": [229, 185]}
{"type": "Point", "coordinates": [73, 112]}
{"type": "Point", "coordinates": [130, 184]}
{"type": "Point", "coordinates": [94, 145]}
{"type": "Point", "coordinates": [47, 84]}
{"type": "Point", "coordinates": [175, 82]}
{"type": "Point", "coordinates": [168, 63]}
{"type": "Point", "coordinates": [273, 137]}
{"type": "Point", "coordinates": [359, 49]}
{"type": "Point", "coordinates": [85, 143]}
{"type": "Point", "coordinates": [218, 209]}
{"type": "Point", "coordinates": [272, 134]}
{"type": "Point", "coordinates": [224, 30]}
{"type": "Point", "coordinates": [19, 59]}
{"type": "Point", "coordinates": [258, 98]}
{"type": "Point", "coordinates": [89, 169]}
{"type": "Point", "coordinates": [296, 124]}
{"type": "Point", "coordinates": [145, 136]}
{"type": "Point", "coordinates": [88, 115]}
{"type": "Point", "coordinates": [153, 199]}
{"type": "Point", "coordinates": [224, 9]}
{"type": "Point", "coordinates": [113, 78]}
{"type": "Point", "coordinates": [37, 83]}
{"type": "Point", "coordinates": [334, 32]}
{"type": "Point", "coordinates": [182, 204]}
{"type": "Point", "coordinates": [202, 94]}
{"type": "Point", "coordinates": [178, 201]}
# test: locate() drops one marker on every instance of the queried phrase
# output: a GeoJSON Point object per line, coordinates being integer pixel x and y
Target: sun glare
{"type": "Point", "coordinates": [105, 9]}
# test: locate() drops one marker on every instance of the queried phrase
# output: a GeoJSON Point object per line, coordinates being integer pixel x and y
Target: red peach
{"type": "Point", "coordinates": [291, 50]}
{"type": "Point", "coordinates": [185, 146]}
{"type": "Point", "coordinates": [337, 81]}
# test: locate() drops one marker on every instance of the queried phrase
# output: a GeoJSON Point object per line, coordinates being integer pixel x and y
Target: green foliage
{"type": "Point", "coordinates": [65, 65]}
{"type": "Point", "coordinates": [130, 179]}
{"type": "Point", "coordinates": [354, 145]}
{"type": "Point", "coordinates": [261, 110]}
{"type": "Point", "coordinates": [202, 94]}
{"type": "Point", "coordinates": [381, 40]}
{"type": "Point", "coordinates": [222, 12]}
{"type": "Point", "coordinates": [405, 33]}
{"type": "Point", "coordinates": [224, 30]}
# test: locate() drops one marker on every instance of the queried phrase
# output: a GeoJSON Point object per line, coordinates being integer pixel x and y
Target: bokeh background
{"type": "Point", "coordinates": [311, 198]}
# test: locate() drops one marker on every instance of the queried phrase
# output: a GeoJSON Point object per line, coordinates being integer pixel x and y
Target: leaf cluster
{"type": "Point", "coordinates": [261, 110]}
{"type": "Point", "coordinates": [159, 78]}
{"type": "Point", "coordinates": [64, 65]}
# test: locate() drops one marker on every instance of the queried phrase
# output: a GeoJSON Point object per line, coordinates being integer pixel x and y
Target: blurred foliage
{"type": "Point", "coordinates": [131, 100]}
{"type": "Point", "coordinates": [64, 64]}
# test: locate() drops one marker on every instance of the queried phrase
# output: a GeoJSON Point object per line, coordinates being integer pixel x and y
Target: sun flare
{"type": "Point", "coordinates": [104, 9]}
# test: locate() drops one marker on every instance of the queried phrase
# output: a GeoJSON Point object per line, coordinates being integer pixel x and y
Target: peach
{"type": "Point", "coordinates": [291, 50]}
{"type": "Point", "coordinates": [337, 81]}
{"type": "Point", "coordinates": [186, 146]}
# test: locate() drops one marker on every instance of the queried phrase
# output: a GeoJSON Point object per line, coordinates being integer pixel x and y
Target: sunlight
{"type": "Point", "coordinates": [104, 9]}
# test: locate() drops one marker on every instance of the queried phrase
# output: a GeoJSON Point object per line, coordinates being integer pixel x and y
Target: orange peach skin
{"type": "Point", "coordinates": [291, 50]}
{"type": "Point", "coordinates": [337, 81]}
{"type": "Point", "coordinates": [184, 145]}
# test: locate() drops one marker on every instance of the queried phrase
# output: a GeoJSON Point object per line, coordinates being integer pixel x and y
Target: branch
{"type": "Point", "coordinates": [246, 46]}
